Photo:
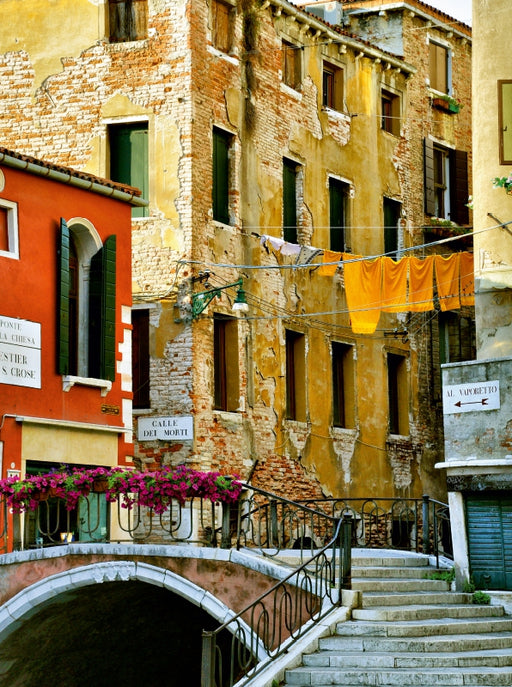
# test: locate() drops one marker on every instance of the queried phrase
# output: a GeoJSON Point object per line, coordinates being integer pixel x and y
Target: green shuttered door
{"type": "Point", "coordinates": [489, 526]}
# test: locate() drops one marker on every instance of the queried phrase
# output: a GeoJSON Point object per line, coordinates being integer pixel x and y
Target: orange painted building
{"type": "Point", "coordinates": [65, 331]}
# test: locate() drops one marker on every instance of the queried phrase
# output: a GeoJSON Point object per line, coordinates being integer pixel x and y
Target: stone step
{"type": "Point", "coordinates": [425, 612]}
{"type": "Point", "coordinates": [424, 628]}
{"type": "Point", "coordinates": [494, 658]}
{"type": "Point", "coordinates": [318, 676]}
{"type": "Point", "coordinates": [409, 572]}
{"type": "Point", "coordinates": [396, 645]}
{"type": "Point", "coordinates": [398, 585]}
{"type": "Point", "coordinates": [371, 599]}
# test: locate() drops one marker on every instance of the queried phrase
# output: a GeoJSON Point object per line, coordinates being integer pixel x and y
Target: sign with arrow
{"type": "Point", "coordinates": [471, 397]}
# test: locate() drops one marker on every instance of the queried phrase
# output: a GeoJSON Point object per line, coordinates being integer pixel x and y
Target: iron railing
{"type": "Point", "coordinates": [421, 525]}
{"type": "Point", "coordinates": [267, 627]}
{"type": "Point", "coordinates": [311, 528]}
{"type": "Point", "coordinates": [197, 521]}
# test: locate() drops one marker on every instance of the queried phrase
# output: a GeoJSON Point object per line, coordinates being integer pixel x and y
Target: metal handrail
{"type": "Point", "coordinates": [268, 626]}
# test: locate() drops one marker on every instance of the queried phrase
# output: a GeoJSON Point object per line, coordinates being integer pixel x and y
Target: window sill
{"type": "Point", "coordinates": [229, 57]}
{"type": "Point", "coordinates": [337, 114]}
{"type": "Point", "coordinates": [291, 91]}
{"type": "Point", "coordinates": [69, 381]}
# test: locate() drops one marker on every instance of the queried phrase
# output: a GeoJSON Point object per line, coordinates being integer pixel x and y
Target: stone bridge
{"type": "Point", "coordinates": [129, 588]}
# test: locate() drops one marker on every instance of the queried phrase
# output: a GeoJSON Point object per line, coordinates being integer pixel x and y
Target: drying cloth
{"type": "Point", "coordinates": [329, 256]}
{"type": "Point", "coordinates": [421, 284]}
{"type": "Point", "coordinates": [394, 284]}
{"type": "Point", "coordinates": [447, 280]}
{"type": "Point", "coordinates": [363, 282]}
{"type": "Point", "coordinates": [306, 255]}
{"type": "Point", "coordinates": [467, 279]}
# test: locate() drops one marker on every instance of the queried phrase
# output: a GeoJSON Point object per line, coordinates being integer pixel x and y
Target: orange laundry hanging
{"type": "Point", "coordinates": [467, 279]}
{"type": "Point", "coordinates": [448, 281]}
{"type": "Point", "coordinates": [363, 280]}
{"type": "Point", "coordinates": [329, 256]}
{"type": "Point", "coordinates": [421, 284]}
{"type": "Point", "coordinates": [394, 284]}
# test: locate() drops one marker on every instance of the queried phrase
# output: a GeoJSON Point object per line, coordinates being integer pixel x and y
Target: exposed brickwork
{"type": "Point", "coordinates": [183, 86]}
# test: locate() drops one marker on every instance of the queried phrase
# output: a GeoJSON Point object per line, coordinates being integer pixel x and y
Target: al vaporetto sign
{"type": "Point", "coordinates": [20, 352]}
{"type": "Point", "coordinates": [471, 397]}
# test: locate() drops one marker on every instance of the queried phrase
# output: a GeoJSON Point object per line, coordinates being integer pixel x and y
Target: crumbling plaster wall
{"type": "Point", "coordinates": [183, 87]}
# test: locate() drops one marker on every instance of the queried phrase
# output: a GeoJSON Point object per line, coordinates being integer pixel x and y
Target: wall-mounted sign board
{"type": "Point", "coordinates": [471, 397]}
{"type": "Point", "coordinates": [20, 352]}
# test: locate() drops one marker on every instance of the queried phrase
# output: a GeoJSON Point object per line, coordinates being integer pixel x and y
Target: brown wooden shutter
{"type": "Point", "coordinates": [459, 186]}
{"type": "Point", "coordinates": [428, 161]}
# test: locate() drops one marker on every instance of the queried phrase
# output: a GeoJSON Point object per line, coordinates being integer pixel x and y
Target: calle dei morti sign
{"type": "Point", "coordinates": [166, 428]}
{"type": "Point", "coordinates": [20, 352]}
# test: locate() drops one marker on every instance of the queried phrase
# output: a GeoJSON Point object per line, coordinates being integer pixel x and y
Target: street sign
{"type": "Point", "coordinates": [177, 428]}
{"type": "Point", "coordinates": [471, 397]}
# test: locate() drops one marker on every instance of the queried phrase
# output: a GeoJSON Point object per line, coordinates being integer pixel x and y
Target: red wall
{"type": "Point", "coordinates": [29, 292]}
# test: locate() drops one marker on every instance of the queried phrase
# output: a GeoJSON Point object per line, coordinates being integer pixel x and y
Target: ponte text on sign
{"type": "Point", "coordinates": [20, 352]}
{"type": "Point", "coordinates": [179, 428]}
{"type": "Point", "coordinates": [471, 397]}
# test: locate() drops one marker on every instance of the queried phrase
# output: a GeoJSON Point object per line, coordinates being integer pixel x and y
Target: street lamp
{"type": "Point", "coordinates": [202, 299]}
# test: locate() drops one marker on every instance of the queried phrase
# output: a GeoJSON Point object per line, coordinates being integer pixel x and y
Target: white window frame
{"type": "Point", "coordinates": [13, 250]}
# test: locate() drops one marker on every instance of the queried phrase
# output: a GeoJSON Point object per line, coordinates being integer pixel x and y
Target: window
{"type": "Point", "coordinates": [338, 213]}
{"type": "Point", "coordinates": [128, 20]}
{"type": "Point", "coordinates": [456, 338]}
{"type": "Point", "coordinates": [332, 87]}
{"type": "Point", "coordinates": [222, 32]}
{"type": "Point", "coordinates": [225, 362]}
{"type": "Point", "coordinates": [295, 376]}
{"type": "Point", "coordinates": [129, 158]}
{"type": "Point", "coordinates": [221, 175]}
{"type": "Point", "coordinates": [343, 391]}
{"type": "Point", "coordinates": [446, 182]}
{"type": "Point", "coordinates": [439, 67]}
{"type": "Point", "coordinates": [52, 524]}
{"type": "Point", "coordinates": [140, 358]}
{"type": "Point", "coordinates": [392, 211]}
{"type": "Point", "coordinates": [290, 200]}
{"type": "Point", "coordinates": [505, 121]}
{"type": "Point", "coordinates": [398, 394]}
{"type": "Point", "coordinates": [291, 65]}
{"type": "Point", "coordinates": [390, 106]}
{"type": "Point", "coordinates": [9, 247]}
{"type": "Point", "coordinates": [86, 302]}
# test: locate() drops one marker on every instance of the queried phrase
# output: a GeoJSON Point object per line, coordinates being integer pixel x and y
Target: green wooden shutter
{"type": "Point", "coordinates": [459, 188]}
{"type": "Point", "coordinates": [63, 352]}
{"type": "Point", "coordinates": [428, 159]}
{"type": "Point", "coordinates": [102, 312]}
{"type": "Point", "coordinates": [489, 529]}
{"type": "Point", "coordinates": [220, 181]}
{"type": "Point", "coordinates": [290, 201]}
{"type": "Point", "coordinates": [129, 159]}
{"type": "Point", "coordinates": [337, 215]}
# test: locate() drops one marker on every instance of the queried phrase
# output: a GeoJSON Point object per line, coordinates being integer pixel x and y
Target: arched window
{"type": "Point", "coordinates": [86, 301]}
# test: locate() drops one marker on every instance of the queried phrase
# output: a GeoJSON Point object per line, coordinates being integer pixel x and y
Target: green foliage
{"type": "Point", "coordinates": [481, 598]}
{"type": "Point", "coordinates": [469, 587]}
{"type": "Point", "coordinates": [446, 575]}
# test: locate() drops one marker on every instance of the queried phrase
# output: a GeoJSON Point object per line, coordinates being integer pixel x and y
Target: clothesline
{"type": "Point", "coordinates": [404, 285]}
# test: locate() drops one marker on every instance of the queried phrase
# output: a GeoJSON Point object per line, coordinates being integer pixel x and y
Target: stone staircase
{"type": "Point", "coordinates": [410, 630]}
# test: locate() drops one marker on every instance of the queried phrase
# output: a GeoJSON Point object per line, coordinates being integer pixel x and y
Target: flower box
{"type": "Point", "coordinates": [157, 489]}
{"type": "Point", "coordinates": [446, 105]}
